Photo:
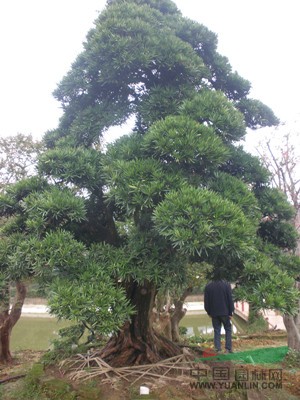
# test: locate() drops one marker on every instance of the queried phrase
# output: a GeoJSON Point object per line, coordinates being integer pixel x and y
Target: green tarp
{"type": "Point", "coordinates": [269, 355]}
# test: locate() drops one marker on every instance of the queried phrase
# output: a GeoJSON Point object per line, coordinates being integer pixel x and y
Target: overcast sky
{"type": "Point", "coordinates": [40, 40]}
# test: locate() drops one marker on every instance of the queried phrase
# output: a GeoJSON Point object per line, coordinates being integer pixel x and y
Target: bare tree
{"type": "Point", "coordinates": [18, 157]}
{"type": "Point", "coordinates": [283, 162]}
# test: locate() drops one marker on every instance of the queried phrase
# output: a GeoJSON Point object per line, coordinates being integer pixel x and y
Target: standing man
{"type": "Point", "coordinates": [219, 306]}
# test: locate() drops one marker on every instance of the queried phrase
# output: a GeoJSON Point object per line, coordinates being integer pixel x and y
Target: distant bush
{"type": "Point", "coordinates": [182, 330]}
{"type": "Point", "coordinates": [196, 339]}
{"type": "Point", "coordinates": [292, 359]}
{"type": "Point", "coordinates": [256, 323]}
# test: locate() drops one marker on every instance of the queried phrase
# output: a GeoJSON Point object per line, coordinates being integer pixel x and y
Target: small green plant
{"type": "Point", "coordinates": [89, 390]}
{"type": "Point", "coordinates": [57, 389]}
{"type": "Point", "coordinates": [196, 339]}
{"type": "Point", "coordinates": [37, 386]}
{"type": "Point", "coordinates": [292, 359]}
{"type": "Point", "coordinates": [66, 345]}
{"type": "Point", "coordinates": [182, 330]}
{"type": "Point", "coordinates": [61, 349]}
{"type": "Point", "coordinates": [31, 388]}
{"type": "Point", "coordinates": [256, 323]}
{"type": "Point", "coordinates": [34, 375]}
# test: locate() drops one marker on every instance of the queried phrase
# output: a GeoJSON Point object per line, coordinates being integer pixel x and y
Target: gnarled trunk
{"type": "Point", "coordinates": [8, 319]}
{"type": "Point", "coordinates": [178, 313]}
{"type": "Point", "coordinates": [292, 324]}
{"type": "Point", "coordinates": [137, 342]}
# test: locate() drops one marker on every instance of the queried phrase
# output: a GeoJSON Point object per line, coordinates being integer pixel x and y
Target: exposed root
{"type": "Point", "coordinates": [89, 366]}
{"type": "Point", "coordinates": [12, 378]}
{"type": "Point", "coordinates": [126, 349]}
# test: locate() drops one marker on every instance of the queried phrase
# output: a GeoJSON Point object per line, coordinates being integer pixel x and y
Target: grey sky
{"type": "Point", "coordinates": [40, 40]}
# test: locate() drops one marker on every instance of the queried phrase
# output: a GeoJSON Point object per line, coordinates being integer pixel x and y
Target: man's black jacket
{"type": "Point", "coordinates": [218, 299]}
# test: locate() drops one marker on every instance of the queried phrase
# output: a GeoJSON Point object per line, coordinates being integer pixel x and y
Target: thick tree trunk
{"type": "Point", "coordinates": [178, 313]}
{"type": "Point", "coordinates": [5, 331]}
{"type": "Point", "coordinates": [162, 323]}
{"type": "Point", "coordinates": [137, 342]}
{"type": "Point", "coordinates": [8, 319]}
{"type": "Point", "coordinates": [292, 324]}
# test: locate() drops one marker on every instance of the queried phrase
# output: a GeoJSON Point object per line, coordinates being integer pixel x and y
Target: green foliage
{"type": "Point", "coordinates": [292, 359]}
{"type": "Point", "coordinates": [256, 323]}
{"type": "Point", "coordinates": [213, 108]}
{"type": "Point", "coordinates": [246, 167]}
{"type": "Point", "coordinates": [7, 206]}
{"type": "Point", "coordinates": [92, 299]}
{"type": "Point", "coordinates": [13, 201]}
{"type": "Point", "coordinates": [139, 184]}
{"type": "Point", "coordinates": [66, 345]}
{"type": "Point", "coordinates": [78, 166]}
{"type": "Point", "coordinates": [154, 259]}
{"type": "Point", "coordinates": [275, 228]}
{"type": "Point", "coordinates": [222, 227]}
{"type": "Point", "coordinates": [31, 388]}
{"type": "Point", "coordinates": [89, 391]}
{"type": "Point", "coordinates": [164, 6]}
{"type": "Point", "coordinates": [137, 50]}
{"type": "Point", "coordinates": [233, 189]}
{"type": "Point", "coordinates": [159, 103]}
{"type": "Point", "coordinates": [145, 58]}
{"type": "Point", "coordinates": [196, 275]}
{"type": "Point", "coordinates": [193, 340]}
{"type": "Point", "coordinates": [256, 114]}
{"type": "Point", "coordinates": [274, 203]}
{"type": "Point", "coordinates": [36, 386]}
{"type": "Point", "coordinates": [279, 233]}
{"type": "Point", "coordinates": [284, 260]}
{"type": "Point", "coordinates": [55, 207]}
{"type": "Point", "coordinates": [20, 259]}
{"type": "Point", "coordinates": [15, 193]}
{"type": "Point", "coordinates": [182, 330]}
{"type": "Point", "coordinates": [126, 148]}
{"type": "Point", "coordinates": [144, 256]}
{"type": "Point", "coordinates": [34, 375]}
{"type": "Point", "coordinates": [58, 389]}
{"type": "Point", "coordinates": [265, 286]}
{"type": "Point", "coordinates": [181, 140]}
{"type": "Point", "coordinates": [58, 254]}
{"type": "Point", "coordinates": [204, 43]}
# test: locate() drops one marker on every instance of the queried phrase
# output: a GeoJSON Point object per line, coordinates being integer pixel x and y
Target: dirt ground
{"type": "Point", "coordinates": [162, 388]}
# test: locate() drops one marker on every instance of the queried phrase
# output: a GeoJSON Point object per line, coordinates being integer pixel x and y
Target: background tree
{"type": "Point", "coordinates": [282, 160]}
{"type": "Point", "coordinates": [144, 211]}
{"type": "Point", "coordinates": [18, 158]}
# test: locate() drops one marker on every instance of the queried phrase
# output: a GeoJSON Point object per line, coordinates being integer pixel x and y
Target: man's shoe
{"type": "Point", "coordinates": [228, 351]}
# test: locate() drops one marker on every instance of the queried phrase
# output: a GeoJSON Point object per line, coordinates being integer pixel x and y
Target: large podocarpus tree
{"type": "Point", "coordinates": [152, 201]}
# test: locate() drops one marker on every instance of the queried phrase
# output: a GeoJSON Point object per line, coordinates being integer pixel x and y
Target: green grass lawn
{"type": "Point", "coordinates": [35, 333]}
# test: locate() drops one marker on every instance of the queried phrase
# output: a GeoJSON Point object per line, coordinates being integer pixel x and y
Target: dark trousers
{"type": "Point", "coordinates": [217, 325]}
